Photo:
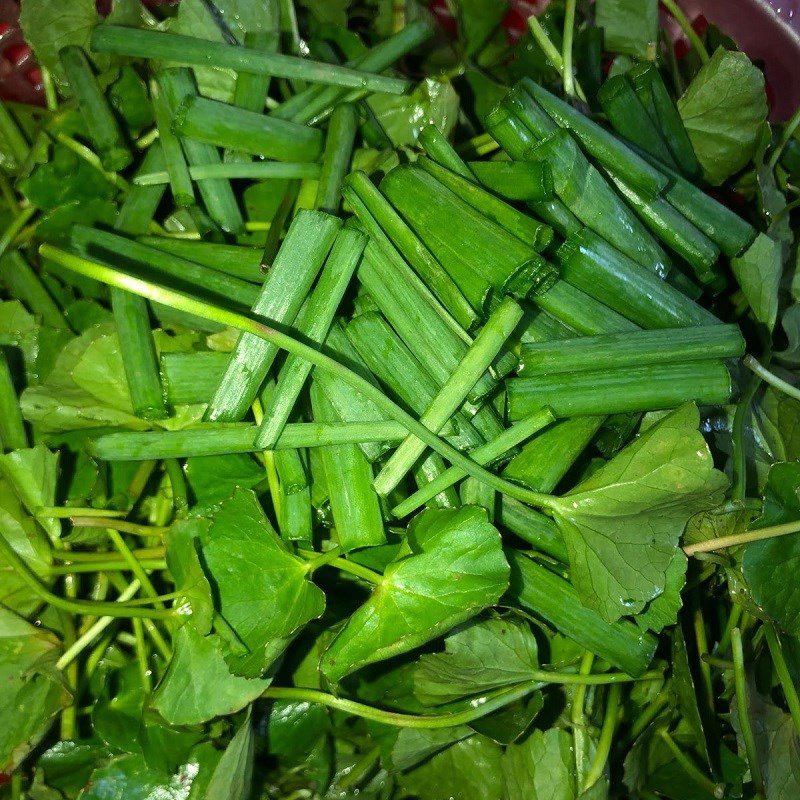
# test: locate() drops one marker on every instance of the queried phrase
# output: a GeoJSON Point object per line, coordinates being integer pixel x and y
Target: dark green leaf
{"type": "Point", "coordinates": [758, 272]}
{"type": "Point", "coordinates": [478, 657]}
{"type": "Point", "coordinates": [198, 685]}
{"type": "Point", "coordinates": [233, 776]}
{"type": "Point", "coordinates": [455, 568]}
{"type": "Point", "coordinates": [723, 111]}
{"type": "Point", "coordinates": [263, 590]}
{"type": "Point", "coordinates": [33, 692]}
{"type": "Point", "coordinates": [630, 26]}
{"type": "Point", "coordinates": [541, 767]}
{"type": "Point", "coordinates": [623, 524]}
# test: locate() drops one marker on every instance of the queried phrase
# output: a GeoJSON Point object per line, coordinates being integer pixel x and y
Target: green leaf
{"type": "Point", "coordinates": [758, 273]}
{"type": "Point", "coordinates": [67, 765]}
{"type": "Point", "coordinates": [130, 778]}
{"type": "Point", "coordinates": [686, 691]}
{"type": "Point", "coordinates": [333, 12]}
{"type": "Point", "coordinates": [771, 566]}
{"type": "Point", "coordinates": [478, 657]}
{"type": "Point", "coordinates": [49, 25]}
{"type": "Point", "coordinates": [263, 590]}
{"type": "Point", "coordinates": [623, 524]}
{"type": "Point", "coordinates": [294, 728]}
{"type": "Point", "coordinates": [214, 478]}
{"type": "Point", "coordinates": [402, 117]}
{"type": "Point", "coordinates": [630, 26]}
{"type": "Point", "coordinates": [663, 611]}
{"type": "Point", "coordinates": [414, 745]}
{"type": "Point", "coordinates": [198, 685]}
{"type": "Point", "coordinates": [477, 21]}
{"type": "Point", "coordinates": [468, 770]}
{"type": "Point", "coordinates": [26, 537]}
{"type": "Point", "coordinates": [32, 473]}
{"type": "Point", "coordinates": [183, 562]}
{"type": "Point", "coordinates": [33, 692]}
{"type": "Point", "coordinates": [455, 568]}
{"type": "Point", "coordinates": [777, 745]}
{"type": "Point", "coordinates": [233, 776]}
{"type": "Point", "coordinates": [723, 110]}
{"type": "Point", "coordinates": [117, 712]}
{"type": "Point", "coordinates": [540, 768]}
{"type": "Point", "coordinates": [779, 420]}
{"type": "Point", "coordinates": [65, 178]}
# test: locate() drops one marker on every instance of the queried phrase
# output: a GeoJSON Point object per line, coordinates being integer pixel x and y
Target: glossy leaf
{"type": "Point", "coordinates": [198, 685]}
{"type": "Point", "coordinates": [723, 111]}
{"type": "Point", "coordinates": [263, 590]}
{"type": "Point", "coordinates": [478, 657]}
{"type": "Point", "coordinates": [454, 567]}
{"type": "Point", "coordinates": [33, 692]}
{"type": "Point", "coordinates": [623, 524]}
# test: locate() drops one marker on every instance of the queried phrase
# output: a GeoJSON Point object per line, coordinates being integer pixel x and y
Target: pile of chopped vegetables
{"type": "Point", "coordinates": [396, 409]}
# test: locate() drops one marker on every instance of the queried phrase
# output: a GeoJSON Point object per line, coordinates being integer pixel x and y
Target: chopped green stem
{"type": "Point", "coordinates": [746, 537]}
{"type": "Point", "coordinates": [483, 351]}
{"type": "Point", "coordinates": [172, 47]}
{"type": "Point", "coordinates": [442, 152]}
{"type": "Point", "coordinates": [26, 285]}
{"type": "Point", "coordinates": [566, 49]}
{"type": "Point", "coordinates": [89, 607]}
{"type": "Point", "coordinates": [210, 439]}
{"type": "Point", "coordinates": [691, 34]}
{"type": "Point", "coordinates": [97, 117]}
{"type": "Point", "coordinates": [743, 711]}
{"type": "Point", "coordinates": [177, 171]}
{"type": "Point", "coordinates": [146, 140]}
{"type": "Point", "coordinates": [117, 525]}
{"type": "Point", "coordinates": [182, 302]}
{"type": "Point", "coordinates": [314, 322]}
{"type": "Point", "coordinates": [691, 769]}
{"type": "Point", "coordinates": [782, 671]}
{"type": "Point", "coordinates": [770, 377]}
{"type": "Point", "coordinates": [606, 739]}
{"type": "Point", "coordinates": [476, 709]}
{"type": "Point", "coordinates": [256, 170]}
{"type": "Point", "coordinates": [337, 156]}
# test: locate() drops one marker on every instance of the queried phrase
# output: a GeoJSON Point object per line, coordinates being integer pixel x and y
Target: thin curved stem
{"type": "Point", "coordinates": [741, 709]}
{"type": "Point", "coordinates": [475, 710]}
{"type": "Point", "coordinates": [691, 34]}
{"type": "Point", "coordinates": [135, 567]}
{"type": "Point", "coordinates": [745, 537]}
{"type": "Point", "coordinates": [91, 158]}
{"type": "Point", "coordinates": [782, 671]}
{"type": "Point", "coordinates": [788, 131]}
{"type": "Point", "coordinates": [771, 378]}
{"type": "Point", "coordinates": [342, 564]}
{"type": "Point", "coordinates": [183, 302]}
{"type": "Point", "coordinates": [80, 644]}
{"type": "Point", "coordinates": [118, 525]}
{"type": "Point", "coordinates": [691, 769]}
{"type": "Point", "coordinates": [91, 607]}
{"type": "Point", "coordinates": [15, 226]}
{"type": "Point", "coordinates": [605, 740]}
{"type": "Point", "coordinates": [551, 51]}
{"type": "Point", "coordinates": [65, 512]}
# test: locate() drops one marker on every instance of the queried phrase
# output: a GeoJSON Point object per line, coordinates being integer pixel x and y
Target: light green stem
{"type": "Point", "coordinates": [742, 710]}
{"type": "Point", "coordinates": [782, 671]}
{"type": "Point", "coordinates": [742, 538]}
{"type": "Point", "coordinates": [606, 738]}
{"type": "Point", "coordinates": [691, 34]}
{"type": "Point", "coordinates": [771, 378]}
